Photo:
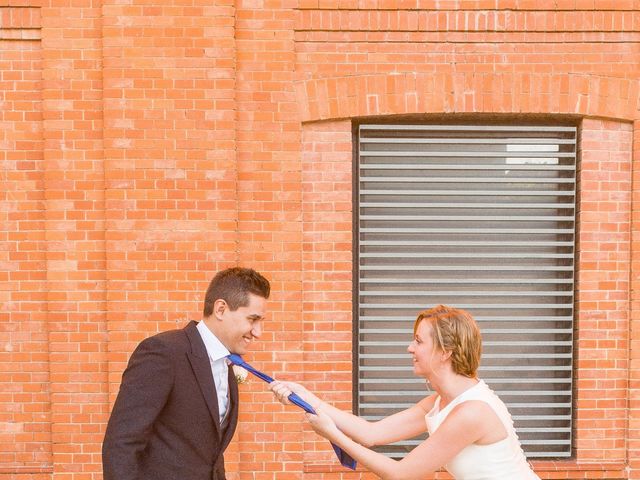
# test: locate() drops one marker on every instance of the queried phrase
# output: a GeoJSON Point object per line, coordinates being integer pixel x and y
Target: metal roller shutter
{"type": "Point", "coordinates": [482, 218]}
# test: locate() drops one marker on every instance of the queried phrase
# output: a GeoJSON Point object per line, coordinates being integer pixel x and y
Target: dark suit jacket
{"type": "Point", "coordinates": [164, 424]}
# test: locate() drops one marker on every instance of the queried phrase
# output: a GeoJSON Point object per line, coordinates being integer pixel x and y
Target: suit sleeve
{"type": "Point", "coordinates": [146, 384]}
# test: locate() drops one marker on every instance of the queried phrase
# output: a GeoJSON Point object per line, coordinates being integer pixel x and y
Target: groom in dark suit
{"type": "Point", "coordinates": [177, 408]}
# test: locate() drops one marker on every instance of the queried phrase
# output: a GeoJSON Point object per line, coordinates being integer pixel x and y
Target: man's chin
{"type": "Point", "coordinates": [240, 350]}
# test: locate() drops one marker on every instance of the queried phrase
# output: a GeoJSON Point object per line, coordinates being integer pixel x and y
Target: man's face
{"type": "Point", "coordinates": [238, 329]}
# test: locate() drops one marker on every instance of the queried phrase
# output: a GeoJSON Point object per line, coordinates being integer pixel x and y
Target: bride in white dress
{"type": "Point", "coordinates": [471, 432]}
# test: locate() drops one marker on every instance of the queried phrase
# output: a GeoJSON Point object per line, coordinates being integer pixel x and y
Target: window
{"type": "Point", "coordinates": [481, 218]}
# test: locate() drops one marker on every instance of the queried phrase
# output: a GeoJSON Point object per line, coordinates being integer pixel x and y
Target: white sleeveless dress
{"type": "Point", "coordinates": [503, 460]}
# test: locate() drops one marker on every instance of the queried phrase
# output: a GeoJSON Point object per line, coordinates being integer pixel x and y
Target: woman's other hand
{"type": "Point", "coordinates": [323, 424]}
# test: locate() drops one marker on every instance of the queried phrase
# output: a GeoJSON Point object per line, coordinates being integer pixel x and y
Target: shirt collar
{"type": "Point", "coordinates": [215, 349]}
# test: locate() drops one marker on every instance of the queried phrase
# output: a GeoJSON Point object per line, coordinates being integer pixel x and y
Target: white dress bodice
{"type": "Point", "coordinates": [503, 460]}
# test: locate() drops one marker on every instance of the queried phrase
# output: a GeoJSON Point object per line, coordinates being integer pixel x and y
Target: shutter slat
{"type": "Point", "coordinates": [494, 231]}
{"type": "Point", "coordinates": [473, 218]}
{"type": "Point", "coordinates": [434, 205]}
{"type": "Point", "coordinates": [462, 141]}
{"type": "Point", "coordinates": [432, 180]}
{"type": "Point", "coordinates": [466, 128]}
{"type": "Point", "coordinates": [470, 193]}
{"type": "Point", "coordinates": [468, 293]}
{"type": "Point", "coordinates": [479, 318]}
{"type": "Point", "coordinates": [465, 255]}
{"type": "Point", "coordinates": [468, 167]}
{"type": "Point", "coordinates": [457, 281]}
{"type": "Point", "coordinates": [460, 153]}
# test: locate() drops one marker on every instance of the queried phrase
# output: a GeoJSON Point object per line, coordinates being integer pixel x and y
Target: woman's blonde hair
{"type": "Point", "coordinates": [454, 330]}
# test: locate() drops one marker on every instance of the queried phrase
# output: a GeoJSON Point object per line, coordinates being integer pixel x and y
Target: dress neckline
{"type": "Point", "coordinates": [460, 395]}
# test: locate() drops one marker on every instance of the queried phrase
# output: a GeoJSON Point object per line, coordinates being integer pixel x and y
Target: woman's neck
{"type": "Point", "coordinates": [451, 385]}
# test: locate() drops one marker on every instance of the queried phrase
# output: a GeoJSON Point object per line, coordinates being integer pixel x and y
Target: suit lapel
{"type": "Point", "coordinates": [202, 369]}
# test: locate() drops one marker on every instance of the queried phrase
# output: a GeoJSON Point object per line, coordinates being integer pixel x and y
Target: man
{"type": "Point", "coordinates": [177, 408]}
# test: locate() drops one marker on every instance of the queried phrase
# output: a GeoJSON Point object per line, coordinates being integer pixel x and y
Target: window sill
{"type": "Point", "coordinates": [546, 469]}
{"type": "Point", "coordinates": [552, 469]}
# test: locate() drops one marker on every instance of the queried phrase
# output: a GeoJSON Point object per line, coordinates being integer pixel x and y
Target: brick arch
{"type": "Point", "coordinates": [410, 93]}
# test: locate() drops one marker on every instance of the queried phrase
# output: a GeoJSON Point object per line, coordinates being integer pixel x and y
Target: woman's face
{"type": "Point", "coordinates": [426, 355]}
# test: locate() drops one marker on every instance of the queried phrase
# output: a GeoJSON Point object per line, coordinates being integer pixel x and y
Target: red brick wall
{"type": "Point", "coordinates": [633, 435]}
{"type": "Point", "coordinates": [327, 271]}
{"type": "Point", "coordinates": [145, 145]}
{"type": "Point", "coordinates": [602, 291]}
{"type": "Point", "coordinates": [25, 433]}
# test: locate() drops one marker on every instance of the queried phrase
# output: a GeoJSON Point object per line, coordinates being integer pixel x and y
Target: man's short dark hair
{"type": "Point", "coordinates": [234, 285]}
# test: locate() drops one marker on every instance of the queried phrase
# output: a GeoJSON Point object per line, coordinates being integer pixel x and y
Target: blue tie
{"type": "Point", "coordinates": [344, 457]}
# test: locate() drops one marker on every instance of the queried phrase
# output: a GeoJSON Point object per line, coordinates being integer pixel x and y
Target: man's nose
{"type": "Point", "coordinates": [256, 330]}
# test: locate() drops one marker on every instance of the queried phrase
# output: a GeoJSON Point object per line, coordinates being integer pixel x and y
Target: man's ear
{"type": "Point", "coordinates": [219, 307]}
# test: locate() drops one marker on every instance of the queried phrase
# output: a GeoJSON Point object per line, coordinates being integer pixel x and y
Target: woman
{"type": "Point", "coordinates": [470, 430]}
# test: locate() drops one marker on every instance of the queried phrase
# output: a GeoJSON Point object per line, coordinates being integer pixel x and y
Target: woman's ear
{"type": "Point", "coordinates": [446, 355]}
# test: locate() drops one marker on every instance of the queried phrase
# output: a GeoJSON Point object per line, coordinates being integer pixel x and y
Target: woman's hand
{"type": "Point", "coordinates": [323, 424]}
{"type": "Point", "coordinates": [282, 390]}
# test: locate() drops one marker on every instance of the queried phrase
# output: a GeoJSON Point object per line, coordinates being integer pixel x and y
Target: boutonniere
{"type": "Point", "coordinates": [241, 374]}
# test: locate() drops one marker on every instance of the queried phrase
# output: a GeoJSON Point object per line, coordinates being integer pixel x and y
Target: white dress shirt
{"type": "Point", "coordinates": [217, 353]}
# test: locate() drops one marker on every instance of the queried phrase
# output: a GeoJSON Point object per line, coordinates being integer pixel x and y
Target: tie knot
{"type": "Point", "coordinates": [235, 359]}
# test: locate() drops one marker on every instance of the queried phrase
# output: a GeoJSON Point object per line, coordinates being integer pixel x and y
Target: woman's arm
{"type": "Point", "coordinates": [405, 424]}
{"type": "Point", "coordinates": [464, 425]}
